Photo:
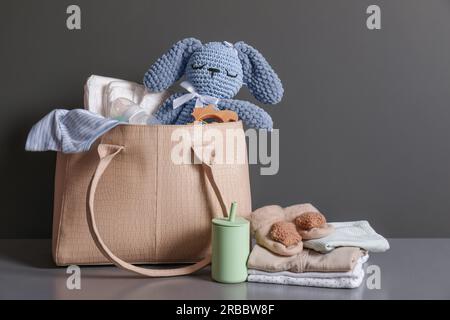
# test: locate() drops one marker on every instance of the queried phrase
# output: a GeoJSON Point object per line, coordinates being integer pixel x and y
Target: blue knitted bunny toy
{"type": "Point", "coordinates": [214, 72]}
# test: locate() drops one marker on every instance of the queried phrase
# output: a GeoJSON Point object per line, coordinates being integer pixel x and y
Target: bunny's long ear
{"type": "Point", "coordinates": [170, 66]}
{"type": "Point", "coordinates": [259, 76]}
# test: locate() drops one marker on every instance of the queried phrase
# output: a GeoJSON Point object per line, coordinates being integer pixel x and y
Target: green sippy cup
{"type": "Point", "coordinates": [230, 248]}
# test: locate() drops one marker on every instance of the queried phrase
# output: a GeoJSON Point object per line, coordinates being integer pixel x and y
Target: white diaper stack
{"type": "Point", "coordinates": [107, 96]}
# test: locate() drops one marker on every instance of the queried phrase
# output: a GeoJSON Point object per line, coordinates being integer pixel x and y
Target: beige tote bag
{"type": "Point", "coordinates": [127, 202]}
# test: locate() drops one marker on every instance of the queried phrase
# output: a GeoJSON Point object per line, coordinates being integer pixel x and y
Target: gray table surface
{"type": "Point", "coordinates": [411, 269]}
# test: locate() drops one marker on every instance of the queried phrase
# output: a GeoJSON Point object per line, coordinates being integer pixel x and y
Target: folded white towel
{"type": "Point", "coordinates": [350, 234]}
{"type": "Point", "coordinates": [351, 279]}
{"type": "Point", "coordinates": [101, 92]}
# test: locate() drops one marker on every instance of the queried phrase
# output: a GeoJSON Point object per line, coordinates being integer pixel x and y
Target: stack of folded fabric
{"type": "Point", "coordinates": [296, 246]}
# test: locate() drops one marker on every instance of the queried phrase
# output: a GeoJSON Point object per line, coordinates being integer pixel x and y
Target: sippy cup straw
{"type": "Point", "coordinates": [232, 214]}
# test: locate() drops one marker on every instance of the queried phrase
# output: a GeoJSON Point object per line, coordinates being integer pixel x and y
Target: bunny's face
{"type": "Point", "coordinates": [215, 70]}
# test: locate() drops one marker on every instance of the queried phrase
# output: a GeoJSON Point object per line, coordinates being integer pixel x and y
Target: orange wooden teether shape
{"type": "Point", "coordinates": [209, 112]}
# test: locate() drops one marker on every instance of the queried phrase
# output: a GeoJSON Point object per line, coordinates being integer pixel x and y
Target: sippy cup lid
{"type": "Point", "coordinates": [232, 220]}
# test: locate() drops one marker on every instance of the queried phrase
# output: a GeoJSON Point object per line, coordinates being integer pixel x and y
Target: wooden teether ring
{"type": "Point", "coordinates": [209, 112]}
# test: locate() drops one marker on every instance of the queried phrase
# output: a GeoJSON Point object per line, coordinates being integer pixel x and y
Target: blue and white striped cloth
{"type": "Point", "coordinates": [68, 131]}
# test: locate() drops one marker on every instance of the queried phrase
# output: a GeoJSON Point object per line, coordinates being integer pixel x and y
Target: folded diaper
{"type": "Point", "coordinates": [68, 131]}
{"type": "Point", "coordinates": [349, 279]}
{"type": "Point", "coordinates": [263, 219]}
{"type": "Point", "coordinates": [341, 259]}
{"type": "Point", "coordinates": [101, 92]}
{"type": "Point", "coordinates": [354, 233]}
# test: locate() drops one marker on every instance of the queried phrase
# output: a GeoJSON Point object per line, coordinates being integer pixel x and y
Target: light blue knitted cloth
{"type": "Point", "coordinates": [350, 234]}
{"type": "Point", "coordinates": [217, 69]}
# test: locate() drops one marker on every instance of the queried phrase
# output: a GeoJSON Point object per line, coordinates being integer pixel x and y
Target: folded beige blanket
{"type": "Point", "coordinates": [341, 259]}
{"type": "Point", "coordinates": [263, 218]}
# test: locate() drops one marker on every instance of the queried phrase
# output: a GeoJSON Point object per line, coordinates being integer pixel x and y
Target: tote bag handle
{"type": "Point", "coordinates": [107, 152]}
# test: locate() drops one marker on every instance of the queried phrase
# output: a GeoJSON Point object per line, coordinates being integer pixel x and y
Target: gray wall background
{"type": "Point", "coordinates": [364, 124]}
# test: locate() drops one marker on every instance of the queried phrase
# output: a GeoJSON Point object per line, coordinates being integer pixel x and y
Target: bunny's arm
{"type": "Point", "coordinates": [252, 115]}
{"type": "Point", "coordinates": [166, 113]}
